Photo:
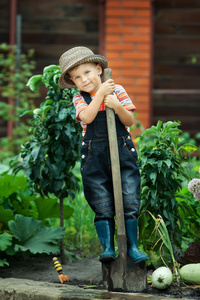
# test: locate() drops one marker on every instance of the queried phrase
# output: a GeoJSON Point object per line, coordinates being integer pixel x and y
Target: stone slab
{"type": "Point", "coordinates": [23, 289]}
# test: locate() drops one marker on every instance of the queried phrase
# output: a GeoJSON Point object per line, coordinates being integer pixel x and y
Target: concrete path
{"type": "Point", "coordinates": [23, 289]}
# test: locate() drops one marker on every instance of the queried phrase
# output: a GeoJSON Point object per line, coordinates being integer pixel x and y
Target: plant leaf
{"type": "Point", "coordinates": [34, 82]}
{"type": "Point", "coordinates": [34, 236]}
{"type": "Point", "coordinates": [50, 208]}
{"type": "Point", "coordinates": [9, 184]}
{"type": "Point", "coordinates": [190, 148]}
{"type": "Point", "coordinates": [6, 215]}
{"type": "Point", "coordinates": [5, 241]}
{"type": "Point", "coordinates": [25, 112]}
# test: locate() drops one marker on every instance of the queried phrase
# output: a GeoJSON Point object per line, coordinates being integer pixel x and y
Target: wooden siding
{"type": "Point", "coordinates": [176, 80]}
{"type": "Point", "coordinates": [50, 28]}
{"type": "Point", "coordinates": [128, 50]}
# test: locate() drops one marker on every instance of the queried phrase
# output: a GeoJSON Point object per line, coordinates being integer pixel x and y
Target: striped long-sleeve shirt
{"type": "Point", "coordinates": [81, 105]}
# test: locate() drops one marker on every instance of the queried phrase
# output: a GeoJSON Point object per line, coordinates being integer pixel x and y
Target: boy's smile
{"type": "Point", "coordinates": [86, 77]}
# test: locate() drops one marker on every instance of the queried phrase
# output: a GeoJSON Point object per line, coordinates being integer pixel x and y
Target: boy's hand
{"type": "Point", "coordinates": [111, 101]}
{"type": "Point", "coordinates": [107, 87]}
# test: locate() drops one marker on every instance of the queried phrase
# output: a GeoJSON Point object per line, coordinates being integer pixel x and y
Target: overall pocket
{"type": "Point", "coordinates": [100, 127]}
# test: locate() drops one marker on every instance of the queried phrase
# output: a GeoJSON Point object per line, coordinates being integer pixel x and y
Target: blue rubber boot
{"type": "Point", "coordinates": [132, 248]}
{"type": "Point", "coordinates": [105, 231]}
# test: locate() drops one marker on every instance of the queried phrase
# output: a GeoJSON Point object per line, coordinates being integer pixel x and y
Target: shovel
{"type": "Point", "coordinates": [121, 274]}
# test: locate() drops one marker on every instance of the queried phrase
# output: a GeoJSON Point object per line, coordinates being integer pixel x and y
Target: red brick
{"type": "Point", "coordinates": [142, 98]}
{"type": "Point", "coordinates": [125, 81]}
{"type": "Point", "coordinates": [119, 29]}
{"type": "Point", "coordinates": [116, 3]}
{"type": "Point", "coordinates": [143, 64]}
{"type": "Point", "coordinates": [143, 30]}
{"type": "Point", "coordinates": [113, 21]}
{"type": "Point", "coordinates": [143, 106]}
{"type": "Point", "coordinates": [136, 56]}
{"type": "Point", "coordinates": [142, 81]}
{"type": "Point", "coordinates": [110, 38]}
{"type": "Point", "coordinates": [145, 122]}
{"type": "Point", "coordinates": [119, 47]}
{"type": "Point", "coordinates": [120, 64]}
{"type": "Point", "coordinates": [136, 72]}
{"type": "Point", "coordinates": [119, 12]}
{"type": "Point", "coordinates": [139, 90]}
{"type": "Point", "coordinates": [136, 38]}
{"type": "Point", "coordinates": [114, 55]}
{"type": "Point", "coordinates": [137, 4]}
{"type": "Point", "coordinates": [136, 21]}
{"type": "Point", "coordinates": [144, 13]}
{"type": "Point", "coordinates": [142, 115]}
{"type": "Point", "coordinates": [115, 72]}
{"type": "Point", "coordinates": [144, 47]}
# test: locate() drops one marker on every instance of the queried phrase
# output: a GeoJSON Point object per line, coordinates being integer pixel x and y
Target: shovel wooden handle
{"type": "Point", "coordinates": [116, 174]}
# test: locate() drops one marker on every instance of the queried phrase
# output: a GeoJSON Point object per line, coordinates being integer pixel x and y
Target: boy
{"type": "Point", "coordinates": [83, 69]}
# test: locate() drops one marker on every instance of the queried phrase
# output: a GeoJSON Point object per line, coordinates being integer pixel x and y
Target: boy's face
{"type": "Point", "coordinates": [87, 77]}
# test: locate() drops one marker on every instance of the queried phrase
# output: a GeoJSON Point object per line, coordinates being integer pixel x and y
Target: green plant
{"type": "Point", "coordinates": [50, 155]}
{"type": "Point", "coordinates": [190, 274]}
{"type": "Point", "coordinates": [162, 175]}
{"type": "Point", "coordinates": [13, 86]}
{"type": "Point", "coordinates": [161, 278]}
{"type": "Point", "coordinates": [31, 235]}
{"type": "Point", "coordinates": [189, 212]}
{"type": "Point", "coordinates": [17, 198]}
{"type": "Point", "coordinates": [79, 228]}
{"type": "Point", "coordinates": [161, 229]}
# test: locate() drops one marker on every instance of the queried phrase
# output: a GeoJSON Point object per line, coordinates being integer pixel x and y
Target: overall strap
{"type": "Point", "coordinates": [86, 97]}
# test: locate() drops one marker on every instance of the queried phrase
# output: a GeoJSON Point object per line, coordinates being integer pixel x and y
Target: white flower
{"type": "Point", "coordinates": [194, 185]}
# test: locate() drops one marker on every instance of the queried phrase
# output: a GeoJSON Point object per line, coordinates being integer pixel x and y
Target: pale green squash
{"type": "Point", "coordinates": [161, 278]}
{"type": "Point", "coordinates": [191, 273]}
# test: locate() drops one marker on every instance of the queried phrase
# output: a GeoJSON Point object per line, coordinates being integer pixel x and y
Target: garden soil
{"type": "Point", "coordinates": [85, 273]}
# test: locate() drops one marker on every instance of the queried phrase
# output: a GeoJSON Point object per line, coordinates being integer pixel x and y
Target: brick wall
{"type": "Point", "coordinates": [128, 46]}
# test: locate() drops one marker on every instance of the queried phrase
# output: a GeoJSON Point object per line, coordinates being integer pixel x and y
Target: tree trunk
{"type": "Point", "coordinates": [62, 248]}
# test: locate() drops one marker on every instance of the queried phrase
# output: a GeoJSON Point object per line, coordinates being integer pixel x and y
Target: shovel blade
{"type": "Point", "coordinates": [129, 277]}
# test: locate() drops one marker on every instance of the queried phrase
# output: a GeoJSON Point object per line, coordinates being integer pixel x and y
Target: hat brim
{"type": "Point", "coordinates": [64, 82]}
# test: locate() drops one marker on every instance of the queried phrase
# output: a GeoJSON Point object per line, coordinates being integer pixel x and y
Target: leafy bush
{"type": "Point", "coordinates": [50, 155]}
{"type": "Point", "coordinates": [17, 199]}
{"type": "Point", "coordinates": [162, 175]}
{"type": "Point", "coordinates": [189, 212]}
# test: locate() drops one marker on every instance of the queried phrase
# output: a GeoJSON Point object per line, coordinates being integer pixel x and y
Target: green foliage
{"type": "Point", "coordinates": [33, 236]}
{"type": "Point", "coordinates": [189, 212]}
{"type": "Point", "coordinates": [5, 241]}
{"type": "Point", "coordinates": [161, 229]}
{"type": "Point", "coordinates": [18, 199]}
{"type": "Point", "coordinates": [80, 232]}
{"type": "Point", "coordinates": [50, 155]}
{"type": "Point", "coordinates": [13, 86]}
{"type": "Point", "coordinates": [162, 175]}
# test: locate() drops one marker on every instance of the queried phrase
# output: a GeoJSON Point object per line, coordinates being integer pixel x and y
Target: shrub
{"type": "Point", "coordinates": [162, 175]}
{"type": "Point", "coordinates": [50, 155]}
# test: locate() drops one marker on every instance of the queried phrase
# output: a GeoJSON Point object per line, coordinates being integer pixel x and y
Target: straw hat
{"type": "Point", "coordinates": [75, 57]}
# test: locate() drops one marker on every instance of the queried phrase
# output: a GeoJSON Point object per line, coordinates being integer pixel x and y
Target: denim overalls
{"type": "Point", "coordinates": [96, 168]}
